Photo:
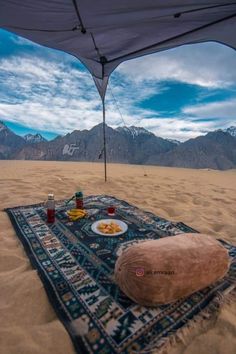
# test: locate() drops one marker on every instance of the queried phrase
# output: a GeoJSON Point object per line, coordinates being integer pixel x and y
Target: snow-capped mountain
{"type": "Point", "coordinates": [134, 131]}
{"type": "Point", "coordinates": [231, 130]}
{"type": "Point", "coordinates": [34, 138]}
{"type": "Point", "coordinates": [177, 142]}
{"type": "Point", "coordinates": [124, 145]}
{"type": "Point", "coordinates": [139, 131]}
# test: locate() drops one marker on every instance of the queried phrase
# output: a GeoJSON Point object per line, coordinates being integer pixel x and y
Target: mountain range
{"type": "Point", "coordinates": [133, 145]}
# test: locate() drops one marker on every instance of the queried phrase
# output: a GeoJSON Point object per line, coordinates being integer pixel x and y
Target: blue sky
{"type": "Point", "coordinates": [178, 94]}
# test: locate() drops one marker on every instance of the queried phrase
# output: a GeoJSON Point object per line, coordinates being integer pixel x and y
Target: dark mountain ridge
{"type": "Point", "coordinates": [133, 145]}
{"type": "Point", "coordinates": [87, 145]}
{"type": "Point", "coordinates": [216, 150]}
{"type": "Point", "coordinates": [9, 142]}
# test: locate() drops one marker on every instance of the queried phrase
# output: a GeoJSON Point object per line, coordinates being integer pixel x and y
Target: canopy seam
{"type": "Point", "coordinates": [172, 38]}
{"type": "Point", "coordinates": [178, 14]}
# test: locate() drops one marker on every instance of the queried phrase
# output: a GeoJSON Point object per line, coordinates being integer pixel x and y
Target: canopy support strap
{"type": "Point", "coordinates": [104, 138]}
{"type": "Point", "coordinates": [83, 29]}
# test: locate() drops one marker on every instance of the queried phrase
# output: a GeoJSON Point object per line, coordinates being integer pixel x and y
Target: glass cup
{"type": "Point", "coordinates": [111, 210]}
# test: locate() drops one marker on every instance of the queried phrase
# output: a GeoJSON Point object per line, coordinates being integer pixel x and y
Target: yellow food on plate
{"type": "Point", "coordinates": [109, 228]}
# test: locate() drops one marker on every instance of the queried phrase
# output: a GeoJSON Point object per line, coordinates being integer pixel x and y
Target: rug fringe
{"type": "Point", "coordinates": [180, 336]}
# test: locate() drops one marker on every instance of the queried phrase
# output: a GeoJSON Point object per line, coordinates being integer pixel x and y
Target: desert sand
{"type": "Point", "coordinates": [203, 199]}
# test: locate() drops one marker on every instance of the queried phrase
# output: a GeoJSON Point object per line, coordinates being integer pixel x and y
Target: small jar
{"type": "Point", "coordinates": [79, 200]}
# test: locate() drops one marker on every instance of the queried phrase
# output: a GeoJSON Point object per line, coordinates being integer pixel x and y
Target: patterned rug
{"type": "Point", "coordinates": [76, 267]}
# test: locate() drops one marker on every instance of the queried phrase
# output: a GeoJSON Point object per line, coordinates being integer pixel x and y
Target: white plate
{"type": "Point", "coordinates": [122, 224]}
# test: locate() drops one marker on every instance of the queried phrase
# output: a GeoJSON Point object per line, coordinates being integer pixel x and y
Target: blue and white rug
{"type": "Point", "coordinates": [76, 267]}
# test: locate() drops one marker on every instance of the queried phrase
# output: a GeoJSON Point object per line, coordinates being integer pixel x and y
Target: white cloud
{"type": "Point", "coordinates": [180, 128]}
{"type": "Point", "coordinates": [217, 110]}
{"type": "Point", "coordinates": [207, 65]}
{"type": "Point", "coordinates": [52, 96]}
{"type": "Point", "coordinates": [48, 96]}
{"type": "Point", "coordinates": [22, 41]}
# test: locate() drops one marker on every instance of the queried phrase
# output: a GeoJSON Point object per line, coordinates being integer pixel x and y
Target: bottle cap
{"type": "Point", "coordinates": [50, 196]}
{"type": "Point", "coordinates": [79, 194]}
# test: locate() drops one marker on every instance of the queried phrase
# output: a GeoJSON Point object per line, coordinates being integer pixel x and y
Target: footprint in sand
{"type": "Point", "coordinates": [171, 211]}
{"type": "Point", "coordinates": [217, 227]}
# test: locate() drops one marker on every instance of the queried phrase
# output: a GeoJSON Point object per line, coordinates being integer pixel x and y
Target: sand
{"type": "Point", "coordinates": [203, 199]}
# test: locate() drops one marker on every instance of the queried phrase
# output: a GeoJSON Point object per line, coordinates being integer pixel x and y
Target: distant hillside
{"type": "Point", "coordinates": [216, 150]}
{"type": "Point", "coordinates": [9, 142]}
{"type": "Point", "coordinates": [133, 145]}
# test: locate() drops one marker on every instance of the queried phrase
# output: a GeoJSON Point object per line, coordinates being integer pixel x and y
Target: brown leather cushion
{"type": "Point", "coordinates": [165, 270]}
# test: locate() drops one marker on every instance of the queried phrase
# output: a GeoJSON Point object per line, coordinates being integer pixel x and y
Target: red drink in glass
{"type": "Point", "coordinates": [111, 210]}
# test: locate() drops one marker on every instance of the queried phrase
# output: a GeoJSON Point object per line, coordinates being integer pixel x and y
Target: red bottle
{"type": "Point", "coordinates": [50, 209]}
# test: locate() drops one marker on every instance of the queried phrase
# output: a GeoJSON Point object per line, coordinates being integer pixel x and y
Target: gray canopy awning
{"type": "Point", "coordinates": [104, 33]}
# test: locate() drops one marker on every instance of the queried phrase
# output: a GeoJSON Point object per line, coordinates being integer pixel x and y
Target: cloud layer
{"type": "Point", "coordinates": [55, 93]}
{"type": "Point", "coordinates": [208, 65]}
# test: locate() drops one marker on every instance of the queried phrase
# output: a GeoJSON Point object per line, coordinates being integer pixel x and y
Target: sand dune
{"type": "Point", "coordinates": [202, 199]}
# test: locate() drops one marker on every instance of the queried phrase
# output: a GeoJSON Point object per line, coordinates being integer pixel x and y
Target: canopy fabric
{"type": "Point", "coordinates": [104, 33]}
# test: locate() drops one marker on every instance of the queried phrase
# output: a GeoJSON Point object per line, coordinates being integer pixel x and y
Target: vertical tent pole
{"type": "Point", "coordinates": [104, 138]}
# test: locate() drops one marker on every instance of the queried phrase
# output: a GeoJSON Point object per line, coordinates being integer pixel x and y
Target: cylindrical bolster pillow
{"type": "Point", "coordinates": [162, 271]}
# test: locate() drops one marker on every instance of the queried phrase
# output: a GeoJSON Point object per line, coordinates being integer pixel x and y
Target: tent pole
{"type": "Point", "coordinates": [104, 138]}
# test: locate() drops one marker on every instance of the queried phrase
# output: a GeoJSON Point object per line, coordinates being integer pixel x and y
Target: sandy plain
{"type": "Point", "coordinates": [203, 199]}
